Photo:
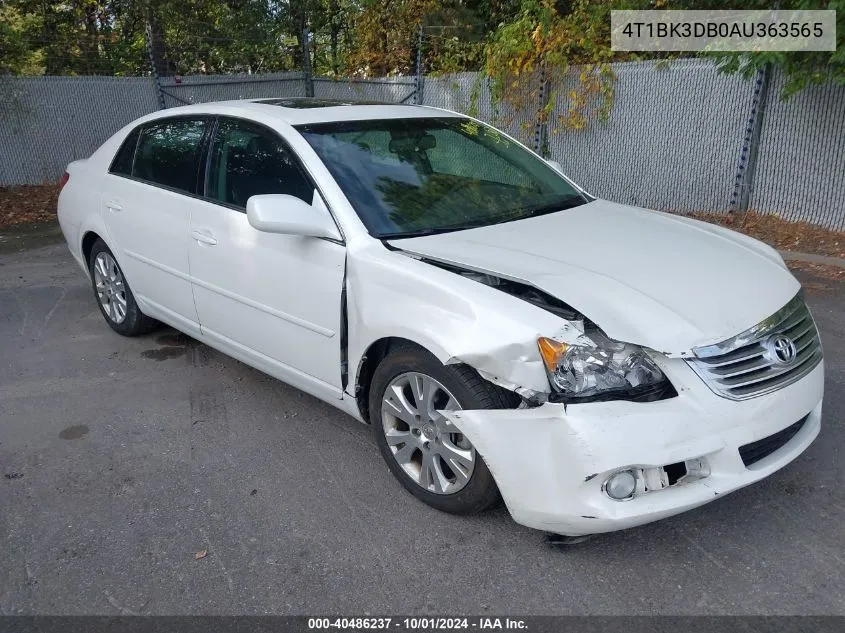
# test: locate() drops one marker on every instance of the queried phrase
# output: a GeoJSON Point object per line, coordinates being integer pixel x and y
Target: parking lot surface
{"type": "Point", "coordinates": [158, 476]}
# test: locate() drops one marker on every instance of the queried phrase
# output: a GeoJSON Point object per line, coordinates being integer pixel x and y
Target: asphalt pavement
{"type": "Point", "coordinates": [157, 476]}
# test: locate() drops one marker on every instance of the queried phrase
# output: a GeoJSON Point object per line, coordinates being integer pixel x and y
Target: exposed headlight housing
{"type": "Point", "coordinates": [599, 368]}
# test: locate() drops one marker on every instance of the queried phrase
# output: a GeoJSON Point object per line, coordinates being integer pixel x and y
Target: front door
{"type": "Point", "coordinates": [273, 298]}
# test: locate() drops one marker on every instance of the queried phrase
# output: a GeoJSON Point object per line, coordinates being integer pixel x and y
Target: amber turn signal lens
{"type": "Point", "coordinates": [551, 351]}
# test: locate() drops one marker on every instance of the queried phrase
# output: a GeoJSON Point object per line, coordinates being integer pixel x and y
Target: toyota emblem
{"type": "Point", "coordinates": [781, 349]}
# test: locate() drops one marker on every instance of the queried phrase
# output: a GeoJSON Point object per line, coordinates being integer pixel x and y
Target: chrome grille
{"type": "Point", "coordinates": [747, 364]}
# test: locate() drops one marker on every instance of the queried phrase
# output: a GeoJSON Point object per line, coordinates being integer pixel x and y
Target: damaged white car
{"type": "Point", "coordinates": [505, 334]}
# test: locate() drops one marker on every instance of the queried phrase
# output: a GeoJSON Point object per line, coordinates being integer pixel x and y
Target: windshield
{"type": "Point", "coordinates": [410, 177]}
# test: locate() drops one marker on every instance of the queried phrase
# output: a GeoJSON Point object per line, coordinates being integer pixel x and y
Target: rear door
{"type": "Point", "coordinates": [274, 298]}
{"type": "Point", "coordinates": [146, 201]}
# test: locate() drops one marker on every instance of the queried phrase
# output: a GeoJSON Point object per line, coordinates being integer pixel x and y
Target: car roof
{"type": "Point", "coordinates": [305, 110]}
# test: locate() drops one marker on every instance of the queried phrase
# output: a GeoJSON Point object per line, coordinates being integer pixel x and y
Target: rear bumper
{"type": "Point", "coordinates": [551, 462]}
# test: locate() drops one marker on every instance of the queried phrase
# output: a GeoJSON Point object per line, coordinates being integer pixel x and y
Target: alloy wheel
{"type": "Point", "coordinates": [431, 451]}
{"type": "Point", "coordinates": [110, 287]}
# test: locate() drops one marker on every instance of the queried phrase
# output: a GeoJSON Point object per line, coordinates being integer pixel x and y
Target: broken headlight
{"type": "Point", "coordinates": [599, 368]}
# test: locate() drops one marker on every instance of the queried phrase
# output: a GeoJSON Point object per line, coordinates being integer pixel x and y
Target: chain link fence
{"type": "Point", "coordinates": [178, 91]}
{"type": "Point", "coordinates": [800, 167]}
{"type": "Point", "coordinates": [47, 122]}
{"type": "Point", "coordinates": [680, 136]}
{"type": "Point", "coordinates": [672, 140]}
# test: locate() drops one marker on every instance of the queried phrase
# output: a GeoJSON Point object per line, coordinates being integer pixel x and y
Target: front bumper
{"type": "Point", "coordinates": [550, 462]}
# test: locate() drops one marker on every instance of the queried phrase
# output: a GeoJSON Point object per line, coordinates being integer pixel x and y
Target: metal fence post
{"type": "Point", "coordinates": [494, 103]}
{"type": "Point", "coordinates": [306, 63]}
{"type": "Point", "coordinates": [744, 182]}
{"type": "Point", "coordinates": [153, 68]}
{"type": "Point", "coordinates": [541, 129]}
{"type": "Point", "coordinates": [418, 78]}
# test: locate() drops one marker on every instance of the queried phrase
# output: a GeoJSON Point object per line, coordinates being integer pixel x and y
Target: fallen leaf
{"type": "Point", "coordinates": [28, 204]}
{"type": "Point", "coordinates": [822, 271]}
{"type": "Point", "coordinates": [801, 237]}
{"type": "Point", "coordinates": [201, 554]}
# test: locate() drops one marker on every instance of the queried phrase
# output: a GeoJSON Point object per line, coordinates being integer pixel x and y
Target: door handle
{"type": "Point", "coordinates": [113, 205]}
{"type": "Point", "coordinates": [203, 237]}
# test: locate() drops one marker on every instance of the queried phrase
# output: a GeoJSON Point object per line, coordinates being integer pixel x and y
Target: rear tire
{"type": "Point", "coordinates": [114, 296]}
{"type": "Point", "coordinates": [430, 457]}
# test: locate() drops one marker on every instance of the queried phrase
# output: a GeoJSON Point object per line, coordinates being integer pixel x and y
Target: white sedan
{"type": "Point", "coordinates": [505, 334]}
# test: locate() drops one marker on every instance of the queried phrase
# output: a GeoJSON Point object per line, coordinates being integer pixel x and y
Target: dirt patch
{"type": "Point", "coordinates": [28, 204]}
{"type": "Point", "coordinates": [800, 237]}
{"type": "Point", "coordinates": [22, 237]}
{"type": "Point", "coordinates": [820, 271]}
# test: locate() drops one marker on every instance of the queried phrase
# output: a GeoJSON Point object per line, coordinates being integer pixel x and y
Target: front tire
{"type": "Point", "coordinates": [114, 296]}
{"type": "Point", "coordinates": [429, 456]}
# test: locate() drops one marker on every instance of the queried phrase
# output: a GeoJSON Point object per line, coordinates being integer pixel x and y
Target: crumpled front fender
{"type": "Point", "coordinates": [456, 319]}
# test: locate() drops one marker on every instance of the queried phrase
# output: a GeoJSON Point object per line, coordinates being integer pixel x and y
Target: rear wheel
{"type": "Point", "coordinates": [432, 459]}
{"type": "Point", "coordinates": [114, 297]}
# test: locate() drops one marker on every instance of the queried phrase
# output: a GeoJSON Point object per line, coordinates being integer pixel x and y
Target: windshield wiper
{"type": "Point", "coordinates": [433, 231]}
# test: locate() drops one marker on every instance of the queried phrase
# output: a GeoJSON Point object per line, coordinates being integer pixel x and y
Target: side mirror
{"type": "Point", "coordinates": [555, 165]}
{"type": "Point", "coordinates": [281, 213]}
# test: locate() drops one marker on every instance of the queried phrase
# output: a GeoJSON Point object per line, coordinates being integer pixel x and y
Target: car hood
{"type": "Point", "coordinates": [658, 280]}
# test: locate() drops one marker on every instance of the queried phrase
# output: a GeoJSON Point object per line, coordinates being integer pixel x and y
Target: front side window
{"type": "Point", "coordinates": [408, 177]}
{"type": "Point", "coordinates": [168, 153]}
{"type": "Point", "coordinates": [249, 160]}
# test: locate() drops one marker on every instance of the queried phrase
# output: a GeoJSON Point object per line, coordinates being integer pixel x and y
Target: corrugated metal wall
{"type": "Point", "coordinates": [673, 139]}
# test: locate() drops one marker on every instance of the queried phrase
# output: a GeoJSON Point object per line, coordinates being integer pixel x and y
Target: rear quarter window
{"type": "Point", "coordinates": [122, 163]}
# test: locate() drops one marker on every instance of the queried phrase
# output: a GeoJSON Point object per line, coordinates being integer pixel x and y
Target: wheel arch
{"type": "Point", "coordinates": [92, 228]}
{"type": "Point", "coordinates": [88, 240]}
{"type": "Point", "coordinates": [370, 359]}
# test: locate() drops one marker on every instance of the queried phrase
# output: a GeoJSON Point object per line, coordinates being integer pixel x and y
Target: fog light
{"type": "Point", "coordinates": [621, 485]}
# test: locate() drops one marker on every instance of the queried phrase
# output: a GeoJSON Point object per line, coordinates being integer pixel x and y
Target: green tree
{"type": "Point", "coordinates": [110, 36]}
{"type": "Point", "coordinates": [16, 52]}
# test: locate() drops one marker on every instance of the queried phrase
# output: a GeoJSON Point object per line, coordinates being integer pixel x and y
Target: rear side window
{"type": "Point", "coordinates": [122, 163]}
{"type": "Point", "coordinates": [168, 153]}
{"type": "Point", "coordinates": [249, 160]}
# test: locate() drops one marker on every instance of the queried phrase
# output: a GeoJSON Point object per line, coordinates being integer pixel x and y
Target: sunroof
{"type": "Point", "coordinates": [312, 102]}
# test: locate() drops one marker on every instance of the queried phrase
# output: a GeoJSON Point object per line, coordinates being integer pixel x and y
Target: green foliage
{"type": "Point", "coordinates": [563, 44]}
{"type": "Point", "coordinates": [388, 33]}
{"type": "Point", "coordinates": [569, 41]}
{"type": "Point", "coordinates": [800, 69]}
{"type": "Point", "coordinates": [16, 56]}
{"type": "Point", "coordinates": [513, 41]}
{"type": "Point", "coordinates": [109, 37]}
